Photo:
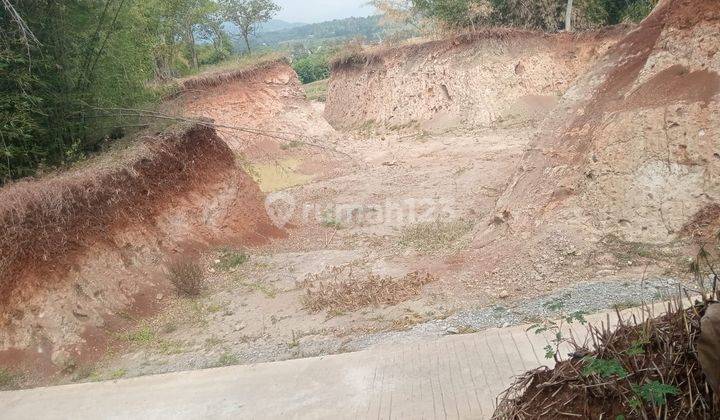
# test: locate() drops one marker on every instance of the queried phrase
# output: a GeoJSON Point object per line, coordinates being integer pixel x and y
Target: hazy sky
{"type": "Point", "coordinates": [312, 11]}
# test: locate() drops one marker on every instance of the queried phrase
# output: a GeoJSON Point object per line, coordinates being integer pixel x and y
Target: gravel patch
{"type": "Point", "coordinates": [587, 297]}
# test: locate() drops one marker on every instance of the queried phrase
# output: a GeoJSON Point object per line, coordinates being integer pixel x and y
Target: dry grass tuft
{"type": "Point", "coordinates": [230, 71]}
{"type": "Point", "coordinates": [353, 54]}
{"type": "Point", "coordinates": [644, 370]}
{"type": "Point", "coordinates": [187, 277]}
{"type": "Point", "coordinates": [356, 55]}
{"type": "Point", "coordinates": [347, 292]}
{"type": "Point", "coordinates": [434, 236]}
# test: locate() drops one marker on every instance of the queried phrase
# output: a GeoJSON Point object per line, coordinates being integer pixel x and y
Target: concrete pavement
{"type": "Point", "coordinates": [456, 377]}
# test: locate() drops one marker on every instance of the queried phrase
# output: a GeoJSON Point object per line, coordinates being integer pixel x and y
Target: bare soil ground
{"type": "Point", "coordinates": [380, 242]}
{"type": "Point", "coordinates": [404, 231]}
{"type": "Point", "coordinates": [433, 189]}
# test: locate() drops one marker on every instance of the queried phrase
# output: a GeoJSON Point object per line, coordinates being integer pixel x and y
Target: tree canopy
{"type": "Point", "coordinates": [67, 66]}
{"type": "Point", "coordinates": [248, 14]}
{"type": "Point", "coordinates": [547, 15]}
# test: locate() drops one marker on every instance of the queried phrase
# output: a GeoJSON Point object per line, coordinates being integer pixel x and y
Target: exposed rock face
{"type": "Point", "coordinates": [483, 79]}
{"type": "Point", "coordinates": [627, 153]}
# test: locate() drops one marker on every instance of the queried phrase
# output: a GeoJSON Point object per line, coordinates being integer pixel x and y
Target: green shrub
{"type": "Point", "coordinates": [313, 67]}
{"type": "Point", "coordinates": [231, 259]}
{"type": "Point", "coordinates": [637, 11]}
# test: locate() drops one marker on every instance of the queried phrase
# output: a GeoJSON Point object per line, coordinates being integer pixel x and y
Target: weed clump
{"type": "Point", "coordinates": [230, 260]}
{"type": "Point", "coordinates": [658, 368]}
{"type": "Point", "coordinates": [118, 374]}
{"type": "Point", "coordinates": [227, 359]}
{"type": "Point", "coordinates": [434, 236]}
{"type": "Point", "coordinates": [144, 335]}
{"type": "Point", "coordinates": [188, 278]}
{"type": "Point", "coordinates": [346, 292]}
{"type": "Point", "coordinates": [7, 380]}
{"type": "Point", "coordinates": [331, 222]}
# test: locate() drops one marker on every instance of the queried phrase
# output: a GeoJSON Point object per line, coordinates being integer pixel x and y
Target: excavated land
{"type": "Point", "coordinates": [84, 251]}
{"type": "Point", "coordinates": [445, 187]}
{"type": "Point", "coordinates": [491, 78]}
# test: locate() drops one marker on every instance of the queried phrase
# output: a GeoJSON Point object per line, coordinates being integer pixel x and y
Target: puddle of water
{"type": "Point", "coordinates": [279, 175]}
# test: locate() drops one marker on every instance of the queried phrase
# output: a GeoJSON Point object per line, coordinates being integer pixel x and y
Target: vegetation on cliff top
{"type": "Point", "coordinates": [548, 15]}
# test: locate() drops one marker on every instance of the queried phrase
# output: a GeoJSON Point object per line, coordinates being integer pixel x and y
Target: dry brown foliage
{"type": "Point", "coordinates": [347, 292]}
{"type": "Point", "coordinates": [708, 345]}
{"type": "Point", "coordinates": [45, 223]}
{"type": "Point", "coordinates": [355, 55]}
{"type": "Point", "coordinates": [188, 278]}
{"type": "Point", "coordinates": [646, 370]}
{"type": "Point", "coordinates": [220, 77]}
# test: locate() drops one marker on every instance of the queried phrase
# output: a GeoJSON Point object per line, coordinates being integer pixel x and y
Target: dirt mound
{"type": "Point", "coordinates": [258, 110]}
{"type": "Point", "coordinates": [223, 77]}
{"type": "Point", "coordinates": [81, 248]}
{"type": "Point", "coordinates": [632, 149]}
{"type": "Point", "coordinates": [481, 79]}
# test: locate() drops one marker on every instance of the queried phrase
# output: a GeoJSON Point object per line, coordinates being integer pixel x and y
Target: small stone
{"type": "Point", "coordinates": [62, 359]}
{"type": "Point", "coordinates": [160, 296]}
{"type": "Point", "coordinates": [504, 294]}
{"type": "Point", "coordinates": [239, 327]}
{"type": "Point", "coordinates": [80, 314]}
{"type": "Point", "coordinates": [212, 270]}
{"type": "Point", "coordinates": [452, 331]}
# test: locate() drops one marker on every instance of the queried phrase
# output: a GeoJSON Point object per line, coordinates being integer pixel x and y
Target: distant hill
{"type": "Point", "coordinates": [334, 30]}
{"type": "Point", "coordinates": [278, 25]}
{"type": "Point", "coordinates": [313, 34]}
{"type": "Point", "coordinates": [318, 34]}
{"type": "Point", "coordinates": [270, 26]}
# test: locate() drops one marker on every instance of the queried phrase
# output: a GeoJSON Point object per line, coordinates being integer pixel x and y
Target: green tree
{"type": "Point", "coordinates": [88, 55]}
{"type": "Point", "coordinates": [247, 14]}
{"type": "Point", "coordinates": [546, 15]}
{"type": "Point", "coordinates": [64, 65]}
{"type": "Point", "coordinates": [175, 25]}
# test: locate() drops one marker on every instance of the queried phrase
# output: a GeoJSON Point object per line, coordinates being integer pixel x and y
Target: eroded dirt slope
{"type": "Point", "coordinates": [82, 248]}
{"type": "Point", "coordinates": [258, 110]}
{"type": "Point", "coordinates": [479, 80]}
{"type": "Point", "coordinates": [633, 148]}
